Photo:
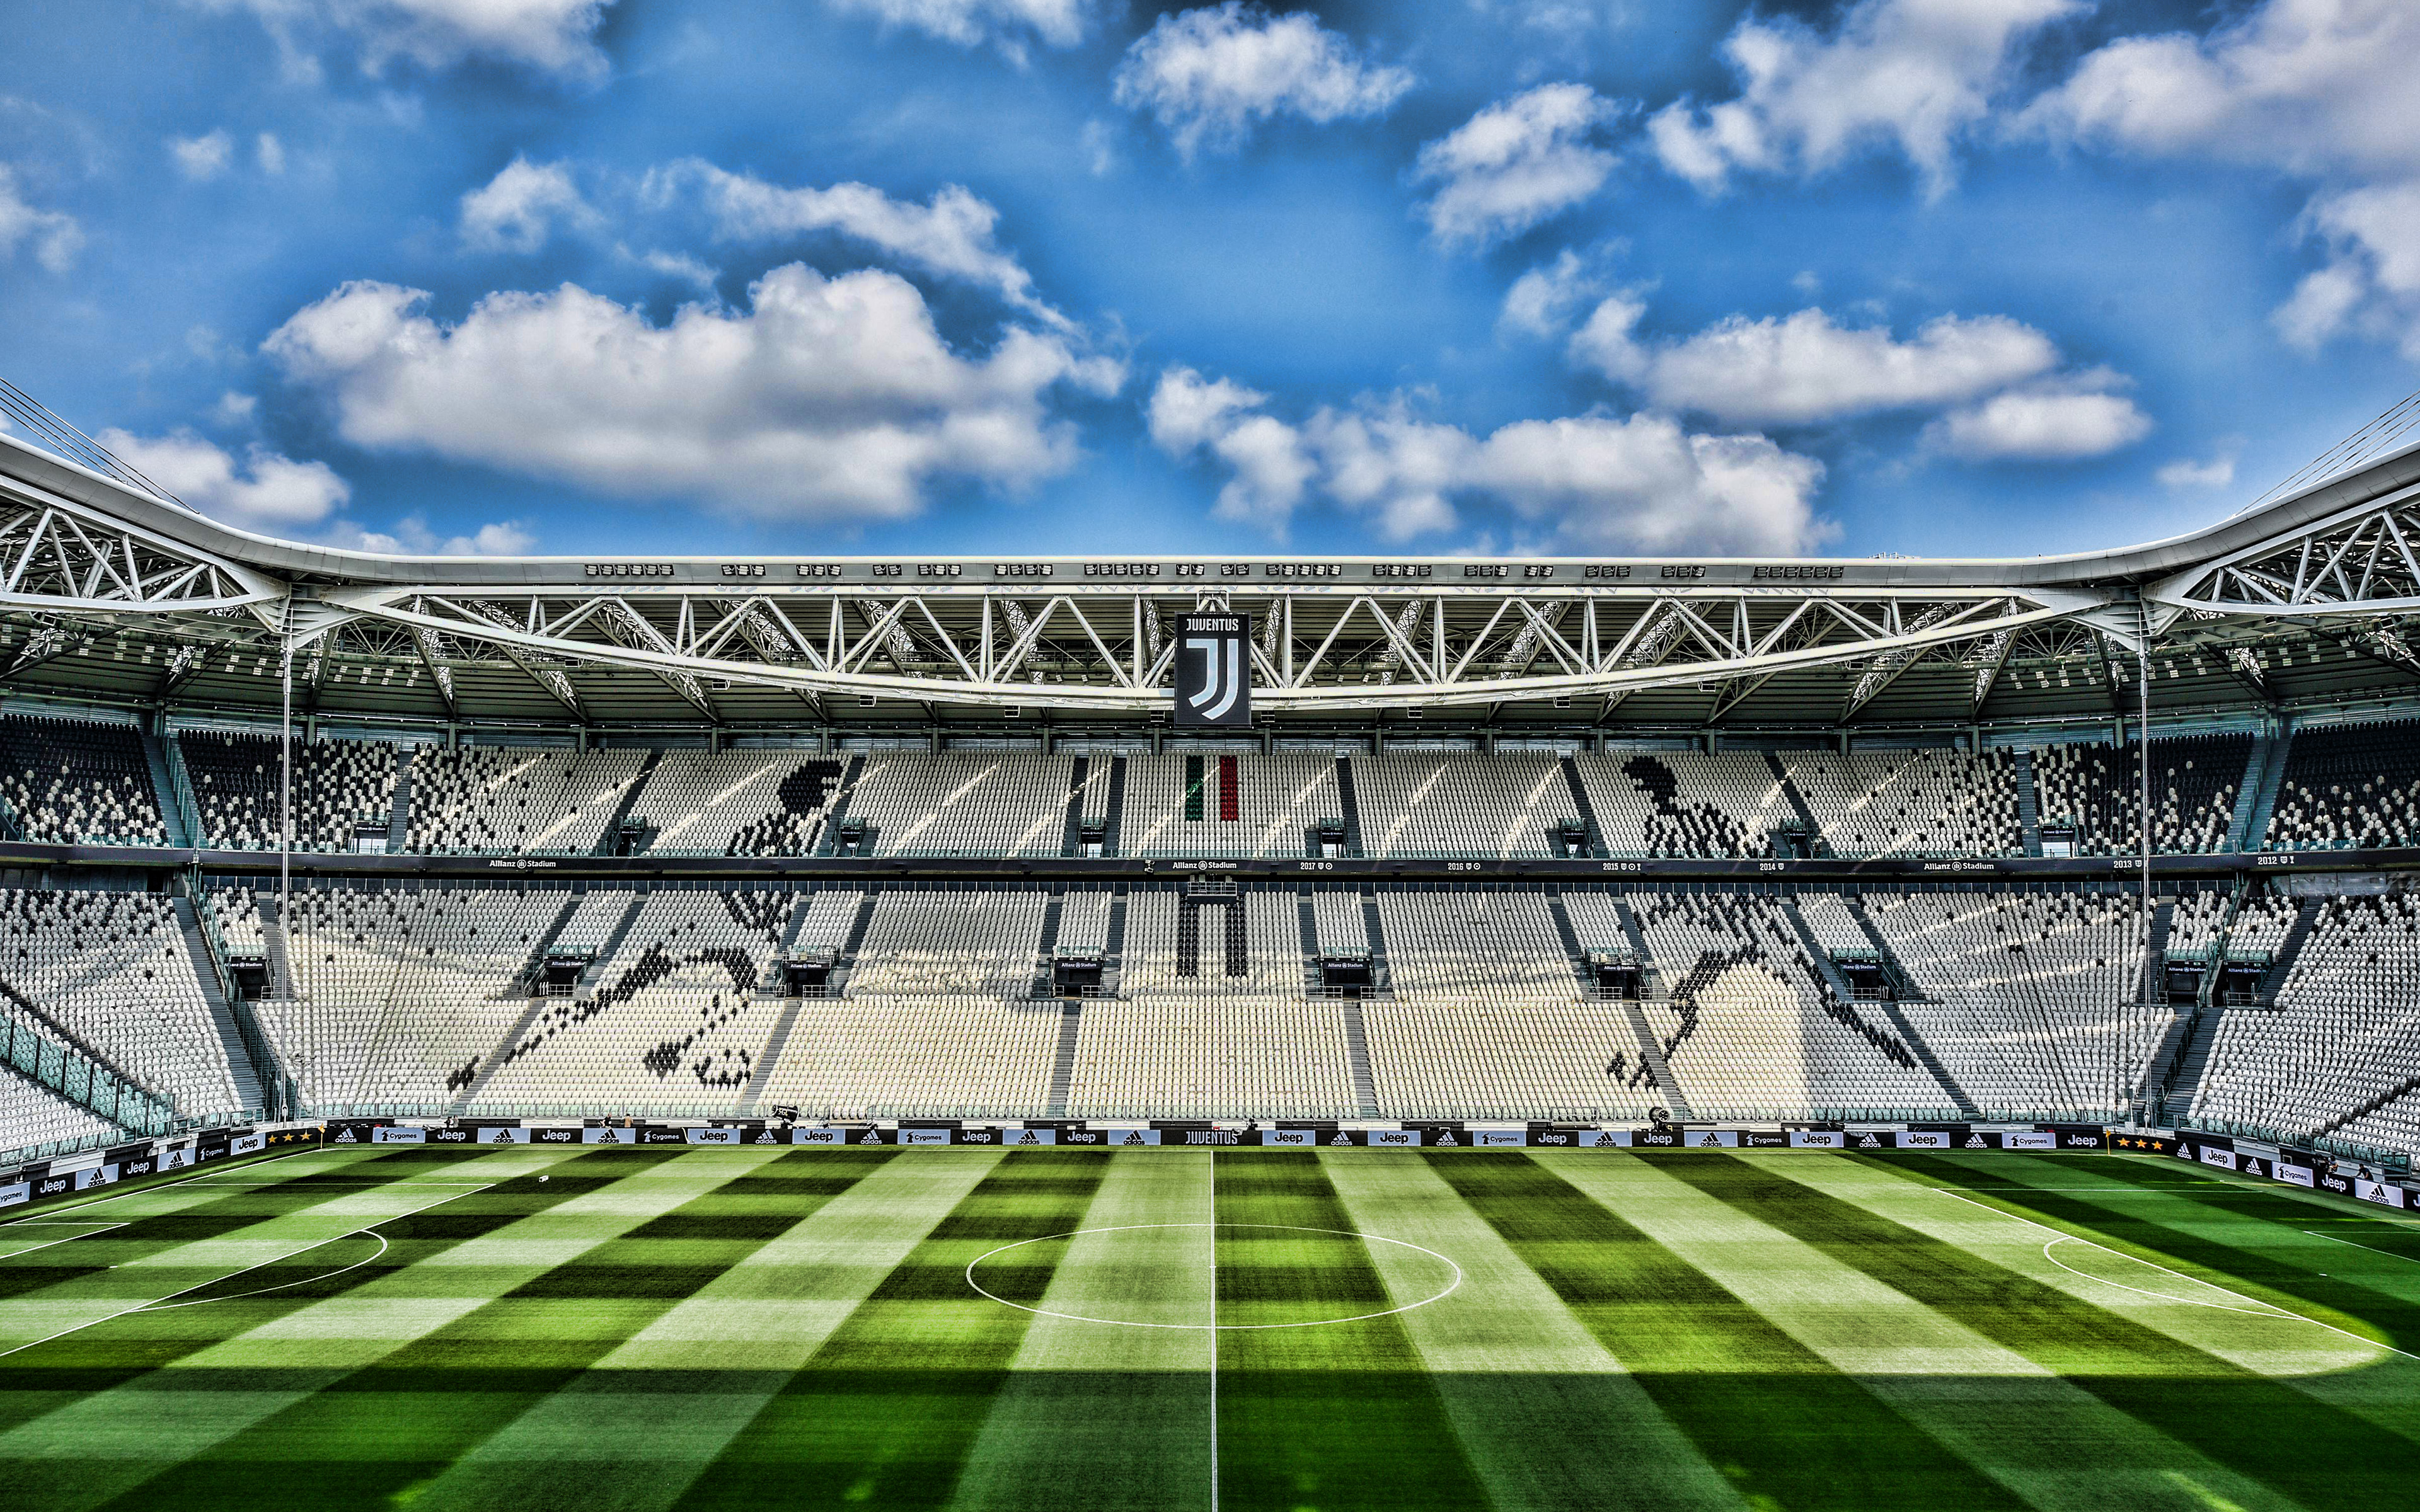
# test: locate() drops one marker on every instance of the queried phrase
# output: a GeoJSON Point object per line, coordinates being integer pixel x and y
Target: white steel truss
{"type": "Point", "coordinates": [59, 556]}
{"type": "Point", "coordinates": [2361, 561]}
{"type": "Point", "coordinates": [1107, 650]}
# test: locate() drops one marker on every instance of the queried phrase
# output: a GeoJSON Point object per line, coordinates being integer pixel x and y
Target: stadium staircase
{"type": "Point", "coordinates": [2028, 799]}
{"type": "Point", "coordinates": [2155, 951]}
{"type": "Point", "coordinates": [2264, 775]}
{"type": "Point", "coordinates": [1582, 809]}
{"type": "Point", "coordinates": [760, 1074]}
{"type": "Point", "coordinates": [1046, 954]}
{"type": "Point", "coordinates": [1925, 1057]}
{"type": "Point", "coordinates": [525, 982]}
{"type": "Point", "coordinates": [1650, 1051]}
{"type": "Point", "coordinates": [638, 784]}
{"type": "Point", "coordinates": [1573, 952]}
{"type": "Point", "coordinates": [398, 814]}
{"type": "Point", "coordinates": [1650, 975]}
{"type": "Point", "coordinates": [248, 1057]}
{"type": "Point", "coordinates": [839, 809]}
{"type": "Point", "coordinates": [1908, 986]}
{"type": "Point", "coordinates": [1826, 967]}
{"type": "Point", "coordinates": [175, 817]}
{"type": "Point", "coordinates": [1381, 982]}
{"type": "Point", "coordinates": [1850, 1004]}
{"type": "Point", "coordinates": [1352, 807]}
{"type": "Point", "coordinates": [273, 945]}
{"type": "Point", "coordinates": [2273, 981]}
{"type": "Point", "coordinates": [846, 964]}
{"type": "Point", "coordinates": [1796, 799]}
{"type": "Point", "coordinates": [2159, 1075]}
{"type": "Point", "coordinates": [1071, 834]}
{"type": "Point", "coordinates": [2193, 1060]}
{"type": "Point", "coordinates": [1114, 813]}
{"type": "Point", "coordinates": [592, 973]}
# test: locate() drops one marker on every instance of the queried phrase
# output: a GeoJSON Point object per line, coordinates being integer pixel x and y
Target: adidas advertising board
{"type": "Point", "coordinates": [2379, 1192]}
{"type": "Point", "coordinates": [609, 1135]}
{"type": "Point", "coordinates": [1605, 1138]}
{"type": "Point", "coordinates": [1020, 1139]}
{"type": "Point", "coordinates": [348, 1133]}
{"type": "Point", "coordinates": [1120, 1138]}
{"type": "Point", "coordinates": [1214, 678]}
{"type": "Point", "coordinates": [177, 1158]}
{"type": "Point", "coordinates": [93, 1176]}
{"type": "Point", "coordinates": [1711, 1139]}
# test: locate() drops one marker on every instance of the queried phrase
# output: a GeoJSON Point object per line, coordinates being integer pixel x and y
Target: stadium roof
{"type": "Point", "coordinates": [116, 593]}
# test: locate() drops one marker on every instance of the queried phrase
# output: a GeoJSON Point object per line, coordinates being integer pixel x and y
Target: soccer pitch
{"type": "Point", "coordinates": [643, 1330]}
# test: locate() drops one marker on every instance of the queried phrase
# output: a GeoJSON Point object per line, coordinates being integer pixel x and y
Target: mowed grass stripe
{"type": "Point", "coordinates": [2078, 1454]}
{"type": "Point", "coordinates": [417, 1404]}
{"type": "Point", "coordinates": [1337, 1416]}
{"type": "Point", "coordinates": [2237, 1235]}
{"type": "Point", "coordinates": [2256, 1428]}
{"type": "Point", "coordinates": [1781, 1423]}
{"type": "Point", "coordinates": [1543, 1411]}
{"type": "Point", "coordinates": [117, 1406]}
{"type": "Point", "coordinates": [1096, 1417]}
{"type": "Point", "coordinates": [636, 1428]}
{"type": "Point", "coordinates": [888, 1409]}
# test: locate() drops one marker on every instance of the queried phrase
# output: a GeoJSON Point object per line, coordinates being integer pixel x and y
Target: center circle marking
{"type": "Point", "coordinates": [1204, 1328]}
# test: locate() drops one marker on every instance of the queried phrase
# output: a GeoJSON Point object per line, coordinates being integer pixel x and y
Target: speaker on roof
{"type": "Point", "coordinates": [1214, 679]}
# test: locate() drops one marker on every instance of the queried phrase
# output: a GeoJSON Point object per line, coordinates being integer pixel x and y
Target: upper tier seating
{"type": "Point", "coordinates": [2347, 787]}
{"type": "Point", "coordinates": [505, 798]}
{"type": "Point", "coordinates": [2097, 788]}
{"type": "Point", "coordinates": [2195, 925]}
{"type": "Point", "coordinates": [1460, 805]}
{"type": "Point", "coordinates": [2340, 1055]}
{"type": "Point", "coordinates": [1749, 1029]}
{"type": "Point", "coordinates": [1686, 803]}
{"type": "Point", "coordinates": [1910, 802]}
{"type": "Point", "coordinates": [1178, 805]}
{"type": "Point", "coordinates": [2031, 1001]}
{"type": "Point", "coordinates": [979, 803]}
{"type": "Point", "coordinates": [111, 968]}
{"type": "Point", "coordinates": [738, 802]}
{"type": "Point", "coordinates": [77, 781]}
{"type": "Point", "coordinates": [337, 784]}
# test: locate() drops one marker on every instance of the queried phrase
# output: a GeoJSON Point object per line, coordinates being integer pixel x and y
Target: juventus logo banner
{"type": "Point", "coordinates": [1214, 681]}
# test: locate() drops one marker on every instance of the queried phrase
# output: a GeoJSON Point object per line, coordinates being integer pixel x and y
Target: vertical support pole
{"type": "Point", "coordinates": [2143, 729]}
{"type": "Point", "coordinates": [285, 761]}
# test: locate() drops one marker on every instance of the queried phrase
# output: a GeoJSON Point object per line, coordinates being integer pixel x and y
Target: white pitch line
{"type": "Point", "coordinates": [2372, 1248]}
{"type": "Point", "coordinates": [1214, 1333]}
{"type": "Point", "coordinates": [156, 1304]}
{"type": "Point", "coordinates": [96, 1225]}
{"type": "Point", "coordinates": [2358, 1339]}
{"type": "Point", "coordinates": [156, 1186]}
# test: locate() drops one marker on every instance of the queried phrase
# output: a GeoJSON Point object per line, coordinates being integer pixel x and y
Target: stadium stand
{"type": "Point", "coordinates": [2348, 786]}
{"type": "Point", "coordinates": [738, 803]}
{"type": "Point", "coordinates": [1218, 804]}
{"type": "Point", "coordinates": [1909, 802]}
{"type": "Point", "coordinates": [1686, 803]}
{"type": "Point", "coordinates": [1460, 805]}
{"type": "Point", "coordinates": [339, 785]}
{"type": "Point", "coordinates": [111, 969]}
{"type": "Point", "coordinates": [2339, 1056]}
{"type": "Point", "coordinates": [32, 1117]}
{"type": "Point", "coordinates": [953, 804]}
{"type": "Point", "coordinates": [2096, 790]}
{"type": "Point", "coordinates": [77, 781]}
{"type": "Point", "coordinates": [507, 799]}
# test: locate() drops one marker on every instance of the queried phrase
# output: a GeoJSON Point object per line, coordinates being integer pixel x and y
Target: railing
{"type": "Point", "coordinates": [180, 790]}
{"type": "Point", "coordinates": [277, 1085]}
{"type": "Point", "coordinates": [74, 1076]}
{"type": "Point", "coordinates": [55, 1149]}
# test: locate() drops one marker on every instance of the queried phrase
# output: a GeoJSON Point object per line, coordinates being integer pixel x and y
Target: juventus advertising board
{"type": "Point", "coordinates": [1214, 671]}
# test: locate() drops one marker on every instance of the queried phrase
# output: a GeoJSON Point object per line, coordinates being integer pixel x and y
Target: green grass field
{"type": "Point", "coordinates": [644, 1331]}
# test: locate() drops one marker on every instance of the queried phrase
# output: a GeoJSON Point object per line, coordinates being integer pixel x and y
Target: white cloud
{"type": "Point", "coordinates": [202, 157]}
{"type": "Point", "coordinates": [412, 537]}
{"type": "Point", "coordinates": [1209, 75]}
{"type": "Point", "coordinates": [1916, 75]}
{"type": "Point", "coordinates": [551, 36]}
{"type": "Point", "coordinates": [1517, 162]}
{"type": "Point", "coordinates": [271, 153]}
{"type": "Point", "coordinates": [2319, 89]}
{"type": "Point", "coordinates": [516, 210]}
{"type": "Point", "coordinates": [52, 235]}
{"type": "Point", "coordinates": [966, 22]}
{"type": "Point", "coordinates": [264, 491]}
{"type": "Point", "coordinates": [675, 264]}
{"type": "Point", "coordinates": [2308, 85]}
{"type": "Point", "coordinates": [1599, 482]}
{"type": "Point", "coordinates": [2187, 473]}
{"type": "Point", "coordinates": [830, 398]}
{"type": "Point", "coordinates": [1803, 369]}
{"type": "Point", "coordinates": [234, 409]}
{"type": "Point", "coordinates": [1543, 301]}
{"type": "Point", "coordinates": [952, 236]}
{"type": "Point", "coordinates": [2371, 281]}
{"type": "Point", "coordinates": [2060, 421]}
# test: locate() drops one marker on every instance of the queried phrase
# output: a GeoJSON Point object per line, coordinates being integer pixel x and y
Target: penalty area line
{"type": "Point", "coordinates": [2078, 1239]}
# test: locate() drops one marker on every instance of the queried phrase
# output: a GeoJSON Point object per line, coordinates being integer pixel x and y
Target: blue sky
{"type": "Point", "coordinates": [597, 276]}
